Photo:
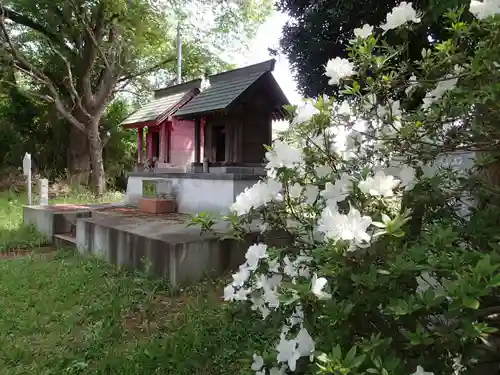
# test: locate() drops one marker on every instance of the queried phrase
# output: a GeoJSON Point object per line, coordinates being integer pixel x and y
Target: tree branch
{"type": "Point", "coordinates": [75, 97]}
{"type": "Point", "coordinates": [28, 22]}
{"type": "Point", "coordinates": [21, 63]}
{"type": "Point", "coordinates": [145, 71]}
{"type": "Point", "coordinates": [90, 53]}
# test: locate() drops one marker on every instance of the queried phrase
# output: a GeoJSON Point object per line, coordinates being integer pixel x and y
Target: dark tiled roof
{"type": "Point", "coordinates": [195, 84]}
{"type": "Point", "coordinates": [155, 109]}
{"type": "Point", "coordinates": [225, 88]}
{"type": "Point", "coordinates": [164, 103]}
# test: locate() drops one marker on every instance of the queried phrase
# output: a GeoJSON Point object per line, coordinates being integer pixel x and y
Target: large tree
{"type": "Point", "coordinates": [77, 54]}
{"type": "Point", "coordinates": [321, 29]}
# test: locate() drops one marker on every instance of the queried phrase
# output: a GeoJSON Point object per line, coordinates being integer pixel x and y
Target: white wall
{"type": "Point", "coordinates": [193, 195]}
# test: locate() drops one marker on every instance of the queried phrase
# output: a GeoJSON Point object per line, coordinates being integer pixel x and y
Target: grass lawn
{"type": "Point", "coordinates": [64, 314]}
{"type": "Point", "coordinates": [69, 315]}
{"type": "Point", "coordinates": [13, 235]}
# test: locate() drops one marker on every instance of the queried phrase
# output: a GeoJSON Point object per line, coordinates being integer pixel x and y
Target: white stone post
{"type": "Point", "coordinates": [44, 191]}
{"type": "Point", "coordinates": [27, 173]}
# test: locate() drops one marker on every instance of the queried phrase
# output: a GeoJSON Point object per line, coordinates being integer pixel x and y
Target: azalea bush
{"type": "Point", "coordinates": [392, 263]}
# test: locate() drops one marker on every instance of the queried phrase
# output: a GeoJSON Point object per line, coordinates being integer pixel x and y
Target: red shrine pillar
{"type": "Point", "coordinates": [149, 144]}
{"type": "Point", "coordinates": [140, 141]}
{"type": "Point", "coordinates": [163, 142]}
{"type": "Point", "coordinates": [197, 140]}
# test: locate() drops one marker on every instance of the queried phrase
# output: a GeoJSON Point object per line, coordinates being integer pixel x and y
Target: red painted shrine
{"type": "Point", "coordinates": [226, 123]}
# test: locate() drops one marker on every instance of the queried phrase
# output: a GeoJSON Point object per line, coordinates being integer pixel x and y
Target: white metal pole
{"type": "Point", "coordinates": [179, 54]}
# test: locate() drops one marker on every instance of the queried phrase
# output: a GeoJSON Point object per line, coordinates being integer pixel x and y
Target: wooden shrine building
{"type": "Point", "coordinates": [225, 124]}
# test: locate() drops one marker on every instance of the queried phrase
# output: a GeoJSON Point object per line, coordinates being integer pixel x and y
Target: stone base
{"type": "Point", "coordinates": [156, 206]}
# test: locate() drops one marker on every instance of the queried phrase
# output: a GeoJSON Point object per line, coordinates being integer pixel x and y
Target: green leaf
{"type": "Point", "coordinates": [399, 233]}
{"type": "Point", "coordinates": [358, 361]}
{"type": "Point", "coordinates": [495, 281]}
{"type": "Point", "coordinates": [470, 302]}
{"type": "Point", "coordinates": [336, 353]}
{"type": "Point", "coordinates": [351, 354]}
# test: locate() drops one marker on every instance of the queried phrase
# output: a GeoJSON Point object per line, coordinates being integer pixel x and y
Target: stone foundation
{"type": "Point", "coordinates": [194, 192]}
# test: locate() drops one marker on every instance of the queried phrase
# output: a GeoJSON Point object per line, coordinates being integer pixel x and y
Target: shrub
{"type": "Point", "coordinates": [392, 264]}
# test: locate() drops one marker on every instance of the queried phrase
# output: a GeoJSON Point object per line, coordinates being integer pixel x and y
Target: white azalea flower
{"type": "Point", "coordinates": [242, 294]}
{"type": "Point", "coordinates": [484, 9]}
{"type": "Point", "coordinates": [273, 265]}
{"type": "Point", "coordinates": [318, 284]}
{"type": "Point", "coordinates": [395, 110]}
{"type": "Point", "coordinates": [344, 109]}
{"type": "Point", "coordinates": [260, 193]}
{"type": "Point", "coordinates": [407, 177]}
{"type": "Point", "coordinates": [283, 155]}
{"type": "Point", "coordinates": [338, 191]}
{"type": "Point", "coordinates": [400, 15]}
{"type": "Point", "coordinates": [290, 269]}
{"type": "Point", "coordinates": [338, 68]}
{"type": "Point", "coordinates": [271, 298]}
{"type": "Point", "coordinates": [305, 113]}
{"type": "Point", "coordinates": [240, 277]}
{"type": "Point", "coordinates": [412, 82]}
{"type": "Point", "coordinates": [229, 293]}
{"type": "Point", "coordinates": [311, 193]}
{"type": "Point", "coordinates": [304, 272]}
{"type": "Point", "coordinates": [289, 351]}
{"type": "Point", "coordinates": [420, 371]}
{"type": "Point", "coordinates": [379, 185]}
{"type": "Point", "coordinates": [258, 362]}
{"type": "Point", "coordinates": [364, 32]}
{"type": "Point", "coordinates": [297, 317]}
{"type": "Point", "coordinates": [323, 171]}
{"type": "Point", "coordinates": [259, 304]}
{"type": "Point", "coordinates": [350, 227]}
{"type": "Point", "coordinates": [305, 343]}
{"type": "Point", "coordinates": [442, 87]}
{"type": "Point", "coordinates": [295, 190]}
{"type": "Point", "coordinates": [254, 254]}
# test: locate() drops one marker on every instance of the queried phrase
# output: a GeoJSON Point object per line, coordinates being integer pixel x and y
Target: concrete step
{"type": "Point", "coordinates": [65, 240]}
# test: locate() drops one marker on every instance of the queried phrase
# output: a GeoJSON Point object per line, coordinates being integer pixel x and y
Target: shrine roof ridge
{"type": "Point", "coordinates": [225, 88]}
{"type": "Point", "coordinates": [174, 89]}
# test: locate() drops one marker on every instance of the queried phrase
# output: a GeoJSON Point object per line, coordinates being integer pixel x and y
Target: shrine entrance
{"type": "Point", "coordinates": [219, 142]}
{"type": "Point", "coordinates": [156, 143]}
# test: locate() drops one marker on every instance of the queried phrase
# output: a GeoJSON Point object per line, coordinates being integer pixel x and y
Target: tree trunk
{"type": "Point", "coordinates": [98, 175]}
{"type": "Point", "coordinates": [78, 157]}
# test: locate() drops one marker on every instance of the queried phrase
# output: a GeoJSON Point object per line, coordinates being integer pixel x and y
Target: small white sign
{"type": "Point", "coordinates": [44, 191]}
{"type": "Point", "coordinates": [27, 164]}
{"type": "Point", "coordinates": [27, 173]}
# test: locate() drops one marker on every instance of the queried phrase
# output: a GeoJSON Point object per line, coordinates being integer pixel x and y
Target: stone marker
{"type": "Point", "coordinates": [27, 173]}
{"type": "Point", "coordinates": [44, 191]}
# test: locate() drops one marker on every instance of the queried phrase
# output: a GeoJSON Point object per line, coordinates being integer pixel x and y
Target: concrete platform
{"type": "Point", "coordinates": [158, 243]}
{"type": "Point", "coordinates": [58, 218]}
{"type": "Point", "coordinates": [164, 246]}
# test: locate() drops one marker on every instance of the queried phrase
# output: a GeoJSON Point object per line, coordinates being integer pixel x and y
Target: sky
{"type": "Point", "coordinates": [268, 37]}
